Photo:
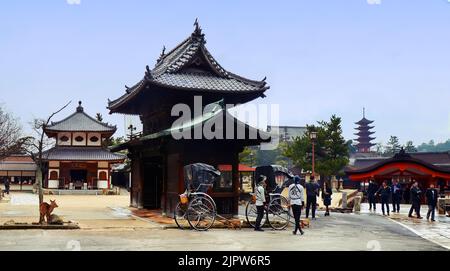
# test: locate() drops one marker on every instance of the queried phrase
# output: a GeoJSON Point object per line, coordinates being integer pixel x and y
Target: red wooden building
{"type": "Point", "coordinates": [426, 168]}
{"type": "Point", "coordinates": [79, 159]}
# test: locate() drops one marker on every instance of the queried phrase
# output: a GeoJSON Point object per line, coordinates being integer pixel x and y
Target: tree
{"type": "Point", "coordinates": [379, 148]}
{"type": "Point", "coordinates": [393, 146]}
{"type": "Point", "coordinates": [247, 156]}
{"type": "Point", "coordinates": [409, 147]}
{"type": "Point", "coordinates": [36, 149]}
{"type": "Point", "coordinates": [10, 135]}
{"type": "Point", "coordinates": [331, 149]}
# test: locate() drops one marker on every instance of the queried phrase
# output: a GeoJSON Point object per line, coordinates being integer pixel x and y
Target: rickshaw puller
{"type": "Point", "coordinates": [260, 201]}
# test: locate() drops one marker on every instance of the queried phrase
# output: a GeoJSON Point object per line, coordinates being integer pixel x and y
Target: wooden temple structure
{"type": "Point", "coordinates": [157, 158]}
{"type": "Point", "coordinates": [79, 160]}
{"type": "Point", "coordinates": [426, 168]}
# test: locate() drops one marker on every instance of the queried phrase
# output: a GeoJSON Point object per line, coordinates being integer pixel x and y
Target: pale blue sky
{"type": "Point", "coordinates": [320, 56]}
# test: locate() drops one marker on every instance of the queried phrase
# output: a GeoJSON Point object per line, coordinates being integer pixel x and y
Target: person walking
{"type": "Point", "coordinates": [312, 192]}
{"type": "Point", "coordinates": [7, 185]}
{"type": "Point", "coordinates": [296, 199]}
{"type": "Point", "coordinates": [385, 193]}
{"type": "Point", "coordinates": [397, 195]}
{"type": "Point", "coordinates": [415, 199]}
{"type": "Point", "coordinates": [326, 197]}
{"type": "Point", "coordinates": [260, 201]}
{"type": "Point", "coordinates": [432, 198]}
{"type": "Point", "coordinates": [371, 191]}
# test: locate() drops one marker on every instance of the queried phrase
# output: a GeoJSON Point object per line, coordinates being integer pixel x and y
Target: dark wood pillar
{"type": "Point", "coordinates": [236, 182]}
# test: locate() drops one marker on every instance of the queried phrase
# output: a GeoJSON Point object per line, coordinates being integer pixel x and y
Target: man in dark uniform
{"type": "Point", "coordinates": [7, 185]}
{"type": "Point", "coordinates": [415, 199]}
{"type": "Point", "coordinates": [312, 192]}
{"type": "Point", "coordinates": [385, 193]}
{"type": "Point", "coordinates": [371, 191]}
{"type": "Point", "coordinates": [432, 198]}
{"type": "Point", "coordinates": [397, 195]}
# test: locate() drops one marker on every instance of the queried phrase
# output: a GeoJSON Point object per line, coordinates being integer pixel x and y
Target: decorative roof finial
{"type": "Point", "coordinates": [148, 73]}
{"type": "Point", "coordinates": [163, 53]}
{"type": "Point", "coordinates": [198, 29]}
{"type": "Point", "coordinates": [364, 112]}
{"type": "Point", "coordinates": [79, 108]}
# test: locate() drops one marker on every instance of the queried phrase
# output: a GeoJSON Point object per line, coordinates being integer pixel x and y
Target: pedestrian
{"type": "Point", "coordinates": [415, 200]}
{"type": "Point", "coordinates": [397, 195]}
{"type": "Point", "coordinates": [260, 201]}
{"type": "Point", "coordinates": [312, 192]}
{"type": "Point", "coordinates": [371, 191]}
{"type": "Point", "coordinates": [432, 198]}
{"type": "Point", "coordinates": [7, 185]}
{"type": "Point", "coordinates": [385, 193]}
{"type": "Point", "coordinates": [326, 196]}
{"type": "Point", "coordinates": [296, 199]}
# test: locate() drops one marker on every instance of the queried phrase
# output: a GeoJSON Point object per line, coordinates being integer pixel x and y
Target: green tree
{"type": "Point", "coordinates": [393, 146]}
{"type": "Point", "coordinates": [331, 149]}
{"type": "Point", "coordinates": [409, 147]}
{"type": "Point", "coordinates": [247, 156]}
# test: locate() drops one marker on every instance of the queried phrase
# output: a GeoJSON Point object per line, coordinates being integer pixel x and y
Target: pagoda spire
{"type": "Point", "coordinates": [364, 134]}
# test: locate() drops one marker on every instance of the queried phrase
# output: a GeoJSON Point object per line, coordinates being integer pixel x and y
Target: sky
{"type": "Point", "coordinates": [321, 57]}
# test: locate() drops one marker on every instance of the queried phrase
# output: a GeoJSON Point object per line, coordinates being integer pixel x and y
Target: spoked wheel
{"type": "Point", "coordinates": [251, 214]}
{"type": "Point", "coordinates": [180, 216]}
{"type": "Point", "coordinates": [201, 213]}
{"type": "Point", "coordinates": [278, 214]}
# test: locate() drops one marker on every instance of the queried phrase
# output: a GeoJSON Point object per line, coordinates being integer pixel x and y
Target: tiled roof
{"type": "Point", "coordinates": [17, 166]}
{"type": "Point", "coordinates": [190, 66]}
{"type": "Point", "coordinates": [81, 154]}
{"type": "Point", "coordinates": [440, 160]}
{"type": "Point", "coordinates": [80, 121]}
{"type": "Point", "coordinates": [207, 81]}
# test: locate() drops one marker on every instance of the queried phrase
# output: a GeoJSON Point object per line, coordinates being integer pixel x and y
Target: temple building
{"type": "Point", "coordinates": [21, 171]}
{"type": "Point", "coordinates": [425, 167]}
{"type": "Point", "coordinates": [364, 135]}
{"type": "Point", "coordinates": [180, 76]}
{"type": "Point", "coordinates": [79, 159]}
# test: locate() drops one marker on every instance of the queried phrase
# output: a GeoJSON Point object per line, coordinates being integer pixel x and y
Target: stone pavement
{"type": "Point", "coordinates": [437, 232]}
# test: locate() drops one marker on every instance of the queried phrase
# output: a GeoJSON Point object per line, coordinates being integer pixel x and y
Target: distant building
{"type": "Point", "coordinates": [79, 160]}
{"type": "Point", "coordinates": [426, 168]}
{"type": "Point", "coordinates": [19, 169]}
{"type": "Point", "coordinates": [364, 134]}
{"type": "Point", "coordinates": [286, 133]}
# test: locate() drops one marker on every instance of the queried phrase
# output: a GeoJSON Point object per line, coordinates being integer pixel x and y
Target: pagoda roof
{"type": "Point", "coordinates": [363, 128]}
{"type": "Point", "coordinates": [364, 121]}
{"type": "Point", "coordinates": [79, 122]}
{"type": "Point", "coordinates": [212, 112]}
{"type": "Point", "coordinates": [191, 67]}
{"type": "Point", "coordinates": [81, 154]}
{"type": "Point", "coordinates": [364, 133]}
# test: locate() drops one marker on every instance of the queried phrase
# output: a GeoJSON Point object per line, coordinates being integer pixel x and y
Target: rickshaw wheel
{"type": "Point", "coordinates": [278, 213]}
{"type": "Point", "coordinates": [251, 214]}
{"type": "Point", "coordinates": [179, 216]}
{"type": "Point", "coordinates": [201, 213]}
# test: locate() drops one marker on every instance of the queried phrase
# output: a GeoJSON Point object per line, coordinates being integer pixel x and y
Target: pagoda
{"type": "Point", "coordinates": [79, 160]}
{"type": "Point", "coordinates": [364, 134]}
{"type": "Point", "coordinates": [180, 76]}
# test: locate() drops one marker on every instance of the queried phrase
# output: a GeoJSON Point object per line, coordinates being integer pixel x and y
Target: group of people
{"type": "Point", "coordinates": [296, 198]}
{"type": "Point", "coordinates": [395, 193]}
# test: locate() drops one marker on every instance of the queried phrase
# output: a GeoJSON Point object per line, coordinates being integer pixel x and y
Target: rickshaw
{"type": "Point", "coordinates": [277, 212]}
{"type": "Point", "coordinates": [196, 209]}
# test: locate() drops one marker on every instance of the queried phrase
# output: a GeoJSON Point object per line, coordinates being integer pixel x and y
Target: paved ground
{"type": "Point", "coordinates": [107, 226]}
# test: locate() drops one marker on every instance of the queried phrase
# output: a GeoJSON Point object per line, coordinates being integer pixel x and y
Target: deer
{"type": "Point", "coordinates": [46, 210]}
